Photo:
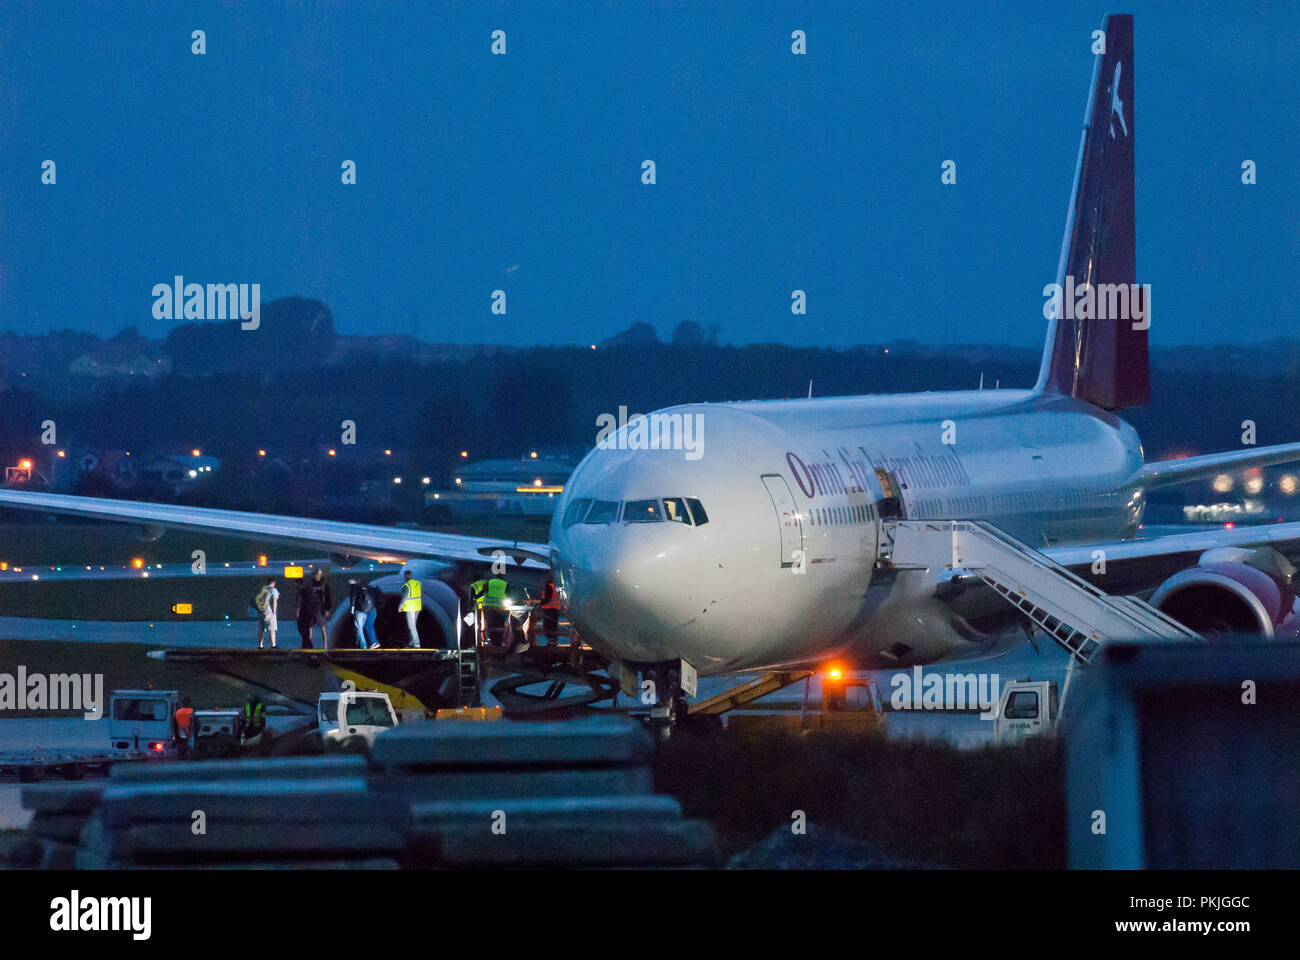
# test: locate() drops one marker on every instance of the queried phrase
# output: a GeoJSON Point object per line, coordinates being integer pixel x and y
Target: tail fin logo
{"type": "Point", "coordinates": [1116, 104]}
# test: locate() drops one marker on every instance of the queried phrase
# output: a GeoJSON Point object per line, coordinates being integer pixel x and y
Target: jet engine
{"type": "Point", "coordinates": [1233, 590]}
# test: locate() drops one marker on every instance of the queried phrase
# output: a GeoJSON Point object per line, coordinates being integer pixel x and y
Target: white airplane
{"type": "Point", "coordinates": [759, 548]}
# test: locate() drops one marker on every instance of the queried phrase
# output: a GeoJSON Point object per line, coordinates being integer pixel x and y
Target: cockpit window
{"type": "Point", "coordinates": [603, 511]}
{"type": "Point", "coordinates": [675, 510]}
{"type": "Point", "coordinates": [577, 510]}
{"type": "Point", "coordinates": [643, 511]}
{"type": "Point", "coordinates": [697, 511]}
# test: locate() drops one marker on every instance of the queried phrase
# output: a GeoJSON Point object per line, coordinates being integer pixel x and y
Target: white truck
{"type": "Point", "coordinates": [350, 718]}
{"type": "Point", "coordinates": [141, 722]}
{"type": "Point", "coordinates": [1026, 708]}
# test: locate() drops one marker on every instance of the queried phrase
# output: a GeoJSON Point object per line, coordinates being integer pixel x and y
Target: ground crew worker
{"type": "Point", "coordinates": [184, 718]}
{"type": "Point", "coordinates": [321, 602]}
{"type": "Point", "coordinates": [494, 604]}
{"type": "Point", "coordinates": [254, 717]}
{"type": "Point", "coordinates": [411, 605]}
{"type": "Point", "coordinates": [550, 613]}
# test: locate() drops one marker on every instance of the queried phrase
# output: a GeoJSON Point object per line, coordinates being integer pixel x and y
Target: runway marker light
{"type": "Point", "coordinates": [293, 573]}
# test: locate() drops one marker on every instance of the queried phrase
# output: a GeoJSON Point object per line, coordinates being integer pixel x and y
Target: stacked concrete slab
{"type": "Point", "coordinates": [568, 793]}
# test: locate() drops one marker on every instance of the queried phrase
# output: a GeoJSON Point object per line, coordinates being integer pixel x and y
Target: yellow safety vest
{"type": "Point", "coordinates": [496, 592]}
{"type": "Point", "coordinates": [411, 596]}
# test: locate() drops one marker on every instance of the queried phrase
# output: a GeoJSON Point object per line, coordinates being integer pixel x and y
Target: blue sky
{"type": "Point", "coordinates": [775, 172]}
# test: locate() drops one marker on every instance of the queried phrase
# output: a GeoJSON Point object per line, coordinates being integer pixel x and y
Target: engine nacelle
{"type": "Point", "coordinates": [1233, 590]}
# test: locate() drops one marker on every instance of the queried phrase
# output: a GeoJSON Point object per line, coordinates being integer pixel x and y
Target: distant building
{"type": "Point", "coordinates": [179, 470]}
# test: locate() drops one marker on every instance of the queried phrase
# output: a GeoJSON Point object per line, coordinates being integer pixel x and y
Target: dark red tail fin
{"type": "Point", "coordinates": [1097, 341]}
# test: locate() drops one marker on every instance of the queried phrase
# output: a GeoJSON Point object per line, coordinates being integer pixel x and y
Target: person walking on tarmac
{"type": "Point", "coordinates": [267, 604]}
{"type": "Point", "coordinates": [184, 719]}
{"type": "Point", "coordinates": [305, 616]}
{"type": "Point", "coordinates": [361, 603]}
{"type": "Point", "coordinates": [411, 605]}
{"type": "Point", "coordinates": [321, 602]}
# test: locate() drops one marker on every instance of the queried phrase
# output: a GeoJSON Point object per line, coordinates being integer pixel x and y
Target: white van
{"type": "Point", "coordinates": [365, 714]}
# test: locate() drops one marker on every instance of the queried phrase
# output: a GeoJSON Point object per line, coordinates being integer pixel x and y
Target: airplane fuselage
{"type": "Point", "coordinates": [783, 571]}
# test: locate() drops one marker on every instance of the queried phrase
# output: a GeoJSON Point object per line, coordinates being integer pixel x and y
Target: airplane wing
{"type": "Point", "coordinates": [1140, 565]}
{"type": "Point", "coordinates": [358, 539]}
{"type": "Point", "coordinates": [1163, 473]}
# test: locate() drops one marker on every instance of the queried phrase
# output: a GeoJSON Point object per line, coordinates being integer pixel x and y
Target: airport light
{"type": "Point", "coordinates": [397, 479]}
{"type": "Point", "coordinates": [1287, 484]}
{"type": "Point", "coordinates": [137, 562]}
{"type": "Point", "coordinates": [537, 482]}
{"type": "Point", "coordinates": [261, 453]}
{"type": "Point", "coordinates": [1254, 484]}
{"type": "Point", "coordinates": [388, 453]}
{"type": "Point", "coordinates": [24, 464]}
{"type": "Point", "coordinates": [464, 454]}
{"type": "Point", "coordinates": [184, 609]}
{"type": "Point", "coordinates": [1222, 483]}
{"type": "Point", "coordinates": [195, 452]}
{"type": "Point", "coordinates": [293, 573]}
{"type": "Point", "coordinates": [425, 481]}
{"type": "Point", "coordinates": [193, 474]}
{"type": "Point", "coordinates": [533, 454]}
{"type": "Point", "coordinates": [332, 453]}
{"type": "Point", "coordinates": [62, 454]}
{"type": "Point", "coordinates": [261, 560]}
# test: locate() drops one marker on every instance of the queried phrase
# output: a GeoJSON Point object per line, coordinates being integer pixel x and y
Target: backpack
{"type": "Point", "coordinates": [262, 600]}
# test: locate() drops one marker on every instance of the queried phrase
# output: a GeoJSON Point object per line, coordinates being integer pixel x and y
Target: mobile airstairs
{"type": "Point", "coordinates": [1073, 612]}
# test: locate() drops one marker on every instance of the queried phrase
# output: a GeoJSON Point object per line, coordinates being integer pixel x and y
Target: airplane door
{"type": "Point", "coordinates": [891, 506]}
{"type": "Point", "coordinates": [787, 516]}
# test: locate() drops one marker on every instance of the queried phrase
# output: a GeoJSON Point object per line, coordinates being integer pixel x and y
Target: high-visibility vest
{"type": "Point", "coordinates": [411, 596]}
{"type": "Point", "coordinates": [477, 592]}
{"type": "Point", "coordinates": [496, 593]}
{"type": "Point", "coordinates": [254, 715]}
{"type": "Point", "coordinates": [184, 715]}
{"type": "Point", "coordinates": [550, 598]}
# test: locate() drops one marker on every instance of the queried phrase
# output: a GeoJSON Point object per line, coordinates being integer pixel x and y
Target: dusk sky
{"type": "Point", "coordinates": [523, 172]}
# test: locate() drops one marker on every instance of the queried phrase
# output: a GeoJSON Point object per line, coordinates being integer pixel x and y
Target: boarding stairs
{"type": "Point", "coordinates": [1073, 612]}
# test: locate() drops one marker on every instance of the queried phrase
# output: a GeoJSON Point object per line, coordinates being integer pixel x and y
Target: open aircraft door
{"type": "Point", "coordinates": [787, 516]}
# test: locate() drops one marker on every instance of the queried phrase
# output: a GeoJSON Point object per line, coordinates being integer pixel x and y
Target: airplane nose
{"type": "Point", "coordinates": [626, 592]}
